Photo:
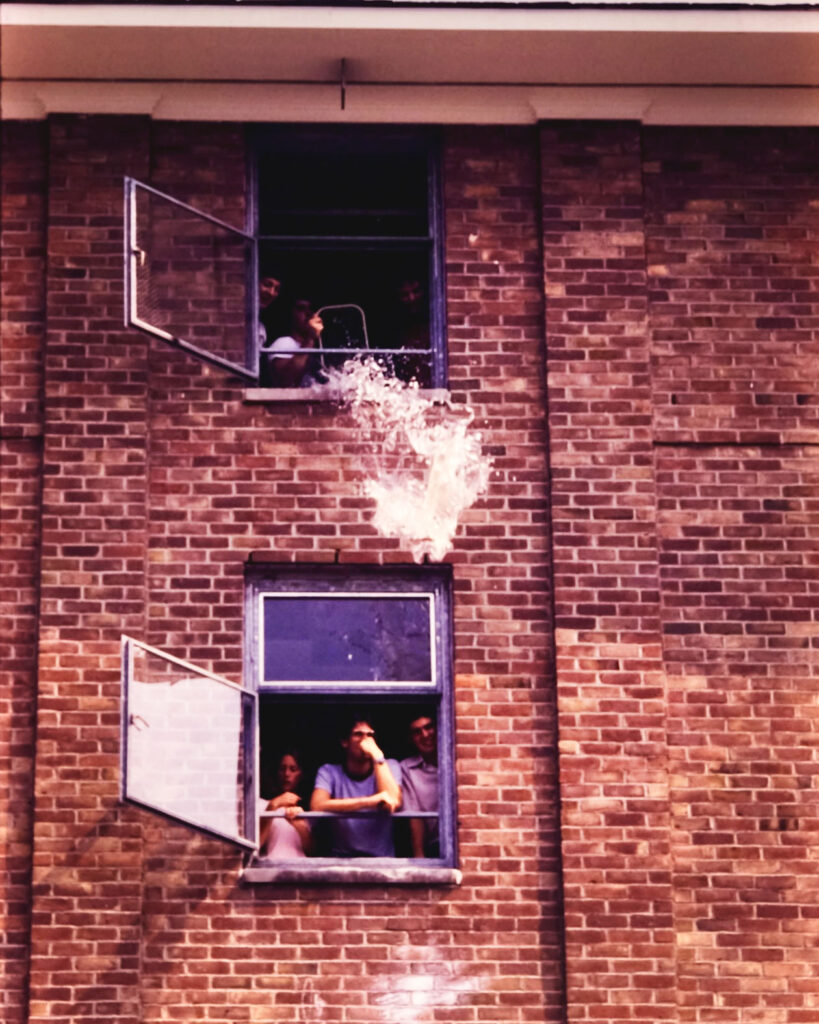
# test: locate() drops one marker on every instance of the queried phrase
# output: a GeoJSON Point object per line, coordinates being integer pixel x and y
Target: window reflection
{"type": "Point", "coordinates": [347, 639]}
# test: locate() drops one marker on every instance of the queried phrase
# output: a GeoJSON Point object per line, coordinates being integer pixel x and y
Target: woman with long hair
{"type": "Point", "coordinates": [286, 835]}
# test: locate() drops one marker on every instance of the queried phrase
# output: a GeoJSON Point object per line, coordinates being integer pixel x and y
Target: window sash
{"type": "Point", "coordinates": [137, 278]}
{"type": "Point", "coordinates": [341, 686]}
{"type": "Point", "coordinates": [330, 581]}
{"type": "Point", "coordinates": [143, 775]}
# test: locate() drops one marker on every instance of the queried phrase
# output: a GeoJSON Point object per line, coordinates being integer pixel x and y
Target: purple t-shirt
{"type": "Point", "coordinates": [363, 836]}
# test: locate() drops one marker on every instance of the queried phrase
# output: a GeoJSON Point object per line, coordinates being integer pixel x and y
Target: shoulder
{"type": "Point", "coordinates": [412, 762]}
{"type": "Point", "coordinates": [327, 775]}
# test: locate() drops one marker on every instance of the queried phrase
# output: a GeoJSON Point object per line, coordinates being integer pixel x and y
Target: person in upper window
{"type": "Point", "coordinates": [285, 836]}
{"type": "Point", "coordinates": [412, 319]}
{"type": "Point", "coordinates": [410, 329]}
{"type": "Point", "coordinates": [270, 287]}
{"type": "Point", "coordinates": [287, 359]}
{"type": "Point", "coordinates": [419, 785]}
{"type": "Point", "coordinates": [364, 781]}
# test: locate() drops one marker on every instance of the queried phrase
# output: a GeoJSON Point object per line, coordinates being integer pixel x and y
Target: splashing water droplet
{"type": "Point", "coordinates": [427, 466]}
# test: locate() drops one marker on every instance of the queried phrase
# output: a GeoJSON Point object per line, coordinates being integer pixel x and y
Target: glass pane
{"type": "Point", "coordinates": [347, 639]}
{"type": "Point", "coordinates": [323, 192]}
{"type": "Point", "coordinates": [191, 278]}
{"type": "Point", "coordinates": [186, 752]}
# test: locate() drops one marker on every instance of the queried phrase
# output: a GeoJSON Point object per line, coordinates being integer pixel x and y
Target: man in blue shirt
{"type": "Point", "coordinates": [364, 781]}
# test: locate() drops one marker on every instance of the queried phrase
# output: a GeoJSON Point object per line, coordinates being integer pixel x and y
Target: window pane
{"type": "Point", "coordinates": [347, 639]}
{"type": "Point", "coordinates": [185, 744]}
{"type": "Point", "coordinates": [320, 191]}
{"type": "Point", "coordinates": [190, 278]}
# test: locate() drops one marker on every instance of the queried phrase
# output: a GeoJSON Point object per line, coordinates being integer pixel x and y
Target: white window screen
{"type": "Point", "coordinates": [189, 741]}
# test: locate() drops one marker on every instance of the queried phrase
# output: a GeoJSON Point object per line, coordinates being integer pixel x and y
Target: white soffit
{"type": "Point", "coordinates": [686, 64]}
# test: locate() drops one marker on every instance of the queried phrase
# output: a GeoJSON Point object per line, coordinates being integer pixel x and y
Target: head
{"type": "Point", "coordinates": [270, 287]}
{"type": "Point", "coordinates": [411, 295]}
{"type": "Point", "coordinates": [423, 736]}
{"type": "Point", "coordinates": [288, 772]}
{"type": "Point", "coordinates": [301, 313]}
{"type": "Point", "coordinates": [359, 728]}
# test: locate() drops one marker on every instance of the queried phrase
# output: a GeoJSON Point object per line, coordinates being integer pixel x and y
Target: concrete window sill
{"type": "Point", "coordinates": [319, 394]}
{"type": "Point", "coordinates": [370, 873]}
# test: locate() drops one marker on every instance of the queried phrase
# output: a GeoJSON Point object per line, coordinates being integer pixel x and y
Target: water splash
{"type": "Point", "coordinates": [428, 467]}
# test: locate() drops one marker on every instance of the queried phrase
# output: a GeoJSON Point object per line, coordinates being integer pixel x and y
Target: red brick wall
{"type": "Point", "coordinates": [22, 302]}
{"type": "Point", "coordinates": [160, 484]}
{"type": "Point", "coordinates": [681, 340]}
{"type": "Point", "coordinates": [610, 686]}
{"type": "Point", "coordinates": [739, 535]}
{"type": "Point", "coordinates": [87, 883]}
{"type": "Point", "coordinates": [732, 271]}
{"type": "Point", "coordinates": [674, 495]}
{"type": "Point", "coordinates": [733, 237]}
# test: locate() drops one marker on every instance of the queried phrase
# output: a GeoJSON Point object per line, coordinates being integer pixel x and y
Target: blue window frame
{"type": "Point", "coordinates": [350, 217]}
{"type": "Point", "coordinates": [327, 642]}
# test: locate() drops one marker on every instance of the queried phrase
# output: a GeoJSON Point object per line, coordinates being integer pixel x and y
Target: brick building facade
{"type": "Point", "coordinates": [631, 311]}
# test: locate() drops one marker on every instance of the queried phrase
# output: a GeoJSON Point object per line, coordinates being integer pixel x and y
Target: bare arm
{"type": "Point", "coordinates": [322, 801]}
{"type": "Point", "coordinates": [288, 372]}
{"type": "Point", "coordinates": [385, 782]}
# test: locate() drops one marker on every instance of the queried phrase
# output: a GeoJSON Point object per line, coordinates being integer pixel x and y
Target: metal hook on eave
{"type": "Point", "coordinates": [343, 82]}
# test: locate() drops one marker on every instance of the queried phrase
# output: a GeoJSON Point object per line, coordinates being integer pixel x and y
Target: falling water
{"type": "Point", "coordinates": [428, 467]}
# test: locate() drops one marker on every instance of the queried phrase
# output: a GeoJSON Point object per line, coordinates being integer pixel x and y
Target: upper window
{"type": "Point", "coordinates": [342, 259]}
{"type": "Point", "coordinates": [335, 760]}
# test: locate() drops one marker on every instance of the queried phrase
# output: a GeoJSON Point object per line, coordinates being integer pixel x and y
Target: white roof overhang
{"type": "Point", "coordinates": [482, 63]}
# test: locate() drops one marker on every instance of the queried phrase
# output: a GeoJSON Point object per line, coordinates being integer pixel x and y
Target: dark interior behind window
{"type": "Point", "coordinates": [348, 218]}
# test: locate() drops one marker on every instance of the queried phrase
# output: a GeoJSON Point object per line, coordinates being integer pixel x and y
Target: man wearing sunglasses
{"type": "Point", "coordinates": [365, 782]}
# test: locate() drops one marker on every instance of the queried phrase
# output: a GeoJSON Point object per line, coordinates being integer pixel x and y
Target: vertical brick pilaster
{"type": "Point", "coordinates": [611, 714]}
{"type": "Point", "coordinates": [87, 877]}
{"type": "Point", "coordinates": [22, 301]}
{"type": "Point", "coordinates": [504, 689]}
{"type": "Point", "coordinates": [734, 232]}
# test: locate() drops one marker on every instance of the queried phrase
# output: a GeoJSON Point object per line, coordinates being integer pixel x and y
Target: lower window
{"type": "Point", "coordinates": [334, 761]}
{"type": "Point", "coordinates": [352, 668]}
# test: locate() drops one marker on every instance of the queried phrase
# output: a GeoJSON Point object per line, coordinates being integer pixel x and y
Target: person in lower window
{"type": "Point", "coordinates": [289, 359]}
{"type": "Point", "coordinates": [364, 781]}
{"type": "Point", "coordinates": [285, 836]}
{"type": "Point", "coordinates": [419, 785]}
